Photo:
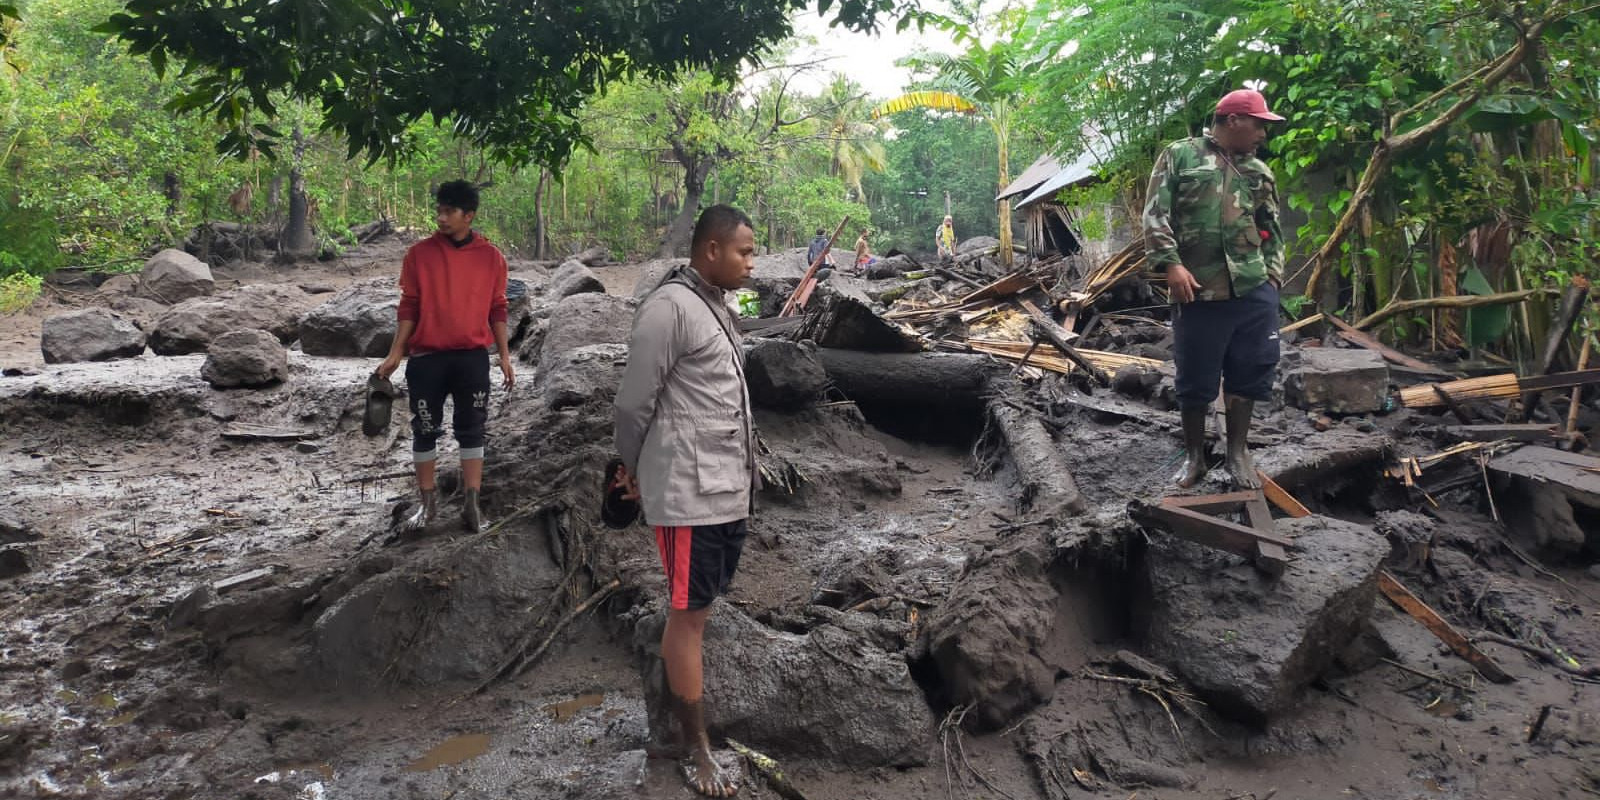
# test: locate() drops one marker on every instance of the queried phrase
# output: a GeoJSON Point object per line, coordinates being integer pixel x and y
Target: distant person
{"type": "Point", "coordinates": [684, 432]}
{"type": "Point", "coordinates": [819, 243]}
{"type": "Point", "coordinates": [864, 257]}
{"type": "Point", "coordinates": [944, 239]}
{"type": "Point", "coordinates": [452, 310]}
{"type": "Point", "coordinates": [1211, 224]}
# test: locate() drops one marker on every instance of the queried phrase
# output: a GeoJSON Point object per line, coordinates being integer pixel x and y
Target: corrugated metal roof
{"type": "Point", "coordinates": [1074, 173]}
{"type": "Point", "coordinates": [1038, 172]}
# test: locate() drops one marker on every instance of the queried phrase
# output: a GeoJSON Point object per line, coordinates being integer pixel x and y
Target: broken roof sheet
{"type": "Point", "coordinates": [1038, 172]}
{"type": "Point", "coordinates": [1072, 174]}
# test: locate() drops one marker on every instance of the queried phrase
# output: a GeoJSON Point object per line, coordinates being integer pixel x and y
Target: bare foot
{"type": "Point", "coordinates": [704, 775]}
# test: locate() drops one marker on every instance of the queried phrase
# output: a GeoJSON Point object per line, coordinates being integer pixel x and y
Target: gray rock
{"type": "Point", "coordinates": [14, 529]}
{"type": "Point", "coordinates": [90, 334]}
{"type": "Point", "coordinates": [248, 358]}
{"type": "Point", "coordinates": [190, 326]}
{"type": "Point", "coordinates": [651, 273]}
{"type": "Point", "coordinates": [977, 245]}
{"type": "Point", "coordinates": [788, 263]}
{"type": "Point", "coordinates": [986, 639]}
{"type": "Point", "coordinates": [1594, 572]}
{"type": "Point", "coordinates": [118, 285]}
{"type": "Point", "coordinates": [1135, 381]}
{"type": "Point", "coordinates": [1410, 536]}
{"type": "Point", "coordinates": [141, 311]}
{"type": "Point", "coordinates": [173, 276]}
{"type": "Point", "coordinates": [1354, 381]}
{"type": "Point", "coordinates": [359, 320]}
{"type": "Point", "coordinates": [571, 278]}
{"type": "Point", "coordinates": [784, 375]}
{"type": "Point", "coordinates": [828, 694]}
{"type": "Point", "coordinates": [585, 319]}
{"type": "Point", "coordinates": [405, 627]}
{"type": "Point", "coordinates": [573, 377]}
{"type": "Point", "coordinates": [1249, 643]}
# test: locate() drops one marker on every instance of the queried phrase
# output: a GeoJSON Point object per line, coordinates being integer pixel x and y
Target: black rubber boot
{"type": "Point", "coordinates": [1238, 459]}
{"type": "Point", "coordinates": [471, 517]}
{"type": "Point", "coordinates": [1194, 446]}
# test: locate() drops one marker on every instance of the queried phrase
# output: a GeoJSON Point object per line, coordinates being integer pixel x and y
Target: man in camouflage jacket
{"type": "Point", "coordinates": [1211, 224]}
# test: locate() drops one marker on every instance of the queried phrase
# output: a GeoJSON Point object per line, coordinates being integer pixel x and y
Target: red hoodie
{"type": "Point", "coordinates": [453, 293]}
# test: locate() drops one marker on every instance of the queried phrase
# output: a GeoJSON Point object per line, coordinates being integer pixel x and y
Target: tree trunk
{"type": "Point", "coordinates": [538, 214]}
{"type": "Point", "coordinates": [173, 192]}
{"type": "Point", "coordinates": [1002, 134]}
{"type": "Point", "coordinates": [297, 239]}
{"type": "Point", "coordinates": [956, 379]}
{"type": "Point", "coordinates": [676, 242]}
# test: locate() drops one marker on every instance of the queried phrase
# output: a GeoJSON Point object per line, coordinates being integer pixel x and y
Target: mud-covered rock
{"type": "Point", "coordinates": [90, 334]}
{"type": "Point", "coordinates": [173, 276]}
{"type": "Point", "coordinates": [1410, 536]}
{"type": "Point", "coordinates": [247, 358]}
{"type": "Point", "coordinates": [571, 278]}
{"type": "Point", "coordinates": [1135, 381]}
{"type": "Point", "coordinates": [1354, 381]}
{"type": "Point", "coordinates": [448, 617]}
{"type": "Point", "coordinates": [651, 273]}
{"type": "Point", "coordinates": [15, 529]}
{"type": "Point", "coordinates": [359, 320]}
{"type": "Point", "coordinates": [118, 286]}
{"type": "Point", "coordinates": [827, 694]}
{"type": "Point", "coordinates": [784, 376]}
{"type": "Point", "coordinates": [586, 319]}
{"type": "Point", "coordinates": [1248, 642]}
{"type": "Point", "coordinates": [1547, 496]}
{"type": "Point", "coordinates": [571, 377]}
{"type": "Point", "coordinates": [190, 326]}
{"type": "Point", "coordinates": [987, 638]}
{"type": "Point", "coordinates": [977, 244]}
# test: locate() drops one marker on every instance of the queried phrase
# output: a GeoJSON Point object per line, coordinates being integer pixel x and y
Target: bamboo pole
{"type": "Point", "coordinates": [1459, 301]}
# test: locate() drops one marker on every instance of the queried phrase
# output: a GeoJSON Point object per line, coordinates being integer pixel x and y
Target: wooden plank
{"type": "Point", "coordinates": [1430, 619]}
{"type": "Point", "coordinates": [1223, 535]}
{"type": "Point", "coordinates": [1304, 323]}
{"type": "Point", "coordinates": [251, 430]}
{"type": "Point", "coordinates": [808, 282]}
{"type": "Point", "coordinates": [1560, 380]}
{"type": "Point", "coordinates": [1280, 497]}
{"type": "Point", "coordinates": [1268, 554]}
{"type": "Point", "coordinates": [1004, 287]}
{"type": "Point", "coordinates": [1058, 337]}
{"type": "Point", "coordinates": [1367, 340]}
{"type": "Point", "coordinates": [1209, 503]}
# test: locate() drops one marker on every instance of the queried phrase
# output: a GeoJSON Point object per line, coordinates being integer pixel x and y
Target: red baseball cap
{"type": "Point", "coordinates": [1248, 102]}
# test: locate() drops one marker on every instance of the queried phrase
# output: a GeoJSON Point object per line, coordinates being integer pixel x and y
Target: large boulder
{"type": "Point", "coordinates": [572, 377]}
{"type": "Point", "coordinates": [784, 375]}
{"type": "Point", "coordinates": [788, 263]}
{"type": "Point", "coordinates": [359, 320]}
{"type": "Point", "coordinates": [830, 694]}
{"type": "Point", "coordinates": [977, 245]}
{"type": "Point", "coordinates": [1249, 642]}
{"type": "Point", "coordinates": [173, 276]}
{"type": "Point", "coordinates": [91, 334]}
{"type": "Point", "coordinates": [190, 326]}
{"type": "Point", "coordinates": [988, 637]}
{"type": "Point", "coordinates": [585, 319]}
{"type": "Point", "coordinates": [572, 277]}
{"type": "Point", "coordinates": [248, 358]}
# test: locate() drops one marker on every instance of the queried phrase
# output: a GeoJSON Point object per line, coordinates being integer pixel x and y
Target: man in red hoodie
{"type": "Point", "coordinates": [452, 310]}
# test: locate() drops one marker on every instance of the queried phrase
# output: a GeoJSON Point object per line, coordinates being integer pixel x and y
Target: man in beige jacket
{"type": "Point", "coordinates": [684, 432]}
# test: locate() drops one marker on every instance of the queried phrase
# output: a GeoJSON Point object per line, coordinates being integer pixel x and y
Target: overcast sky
{"type": "Point", "coordinates": [867, 60]}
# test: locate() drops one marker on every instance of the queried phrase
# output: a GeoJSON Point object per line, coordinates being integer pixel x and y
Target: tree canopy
{"type": "Point", "coordinates": [509, 76]}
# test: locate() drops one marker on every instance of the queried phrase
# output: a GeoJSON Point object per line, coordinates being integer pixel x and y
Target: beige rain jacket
{"type": "Point", "coordinates": [683, 423]}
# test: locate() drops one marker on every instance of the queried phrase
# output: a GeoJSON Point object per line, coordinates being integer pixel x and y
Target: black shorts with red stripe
{"type": "Point", "coordinates": [699, 561]}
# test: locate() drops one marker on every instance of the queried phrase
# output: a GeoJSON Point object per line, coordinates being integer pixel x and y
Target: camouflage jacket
{"type": "Point", "coordinates": [1216, 216]}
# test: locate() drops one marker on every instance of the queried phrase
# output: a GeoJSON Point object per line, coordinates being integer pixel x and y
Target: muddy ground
{"type": "Point", "coordinates": [350, 671]}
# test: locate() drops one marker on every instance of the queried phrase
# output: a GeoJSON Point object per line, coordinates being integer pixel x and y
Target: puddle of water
{"type": "Point", "coordinates": [451, 752]}
{"type": "Point", "coordinates": [565, 710]}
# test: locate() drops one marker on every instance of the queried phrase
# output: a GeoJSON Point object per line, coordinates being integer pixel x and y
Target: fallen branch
{"type": "Point", "coordinates": [1432, 676]}
{"type": "Point", "coordinates": [769, 771]}
{"type": "Point", "coordinates": [1455, 301]}
{"type": "Point", "coordinates": [1543, 654]}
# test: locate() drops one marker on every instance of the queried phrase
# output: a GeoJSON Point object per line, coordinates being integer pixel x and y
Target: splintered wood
{"type": "Point", "coordinates": [1430, 619]}
{"type": "Point", "coordinates": [1014, 351]}
{"type": "Point", "coordinates": [1491, 387]}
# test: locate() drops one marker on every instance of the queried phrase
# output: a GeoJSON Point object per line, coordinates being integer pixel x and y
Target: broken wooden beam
{"type": "Point", "coordinates": [1007, 286]}
{"type": "Point", "coordinates": [1493, 432]}
{"type": "Point", "coordinates": [1430, 619]}
{"type": "Point", "coordinates": [249, 431]}
{"type": "Point", "coordinates": [1047, 328]}
{"type": "Point", "coordinates": [1178, 516]}
{"type": "Point", "coordinates": [1362, 339]}
{"type": "Point", "coordinates": [1494, 387]}
{"type": "Point", "coordinates": [1280, 497]}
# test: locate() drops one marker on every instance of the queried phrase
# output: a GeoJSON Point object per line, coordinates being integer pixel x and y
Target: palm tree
{"type": "Point", "coordinates": [854, 138]}
{"type": "Point", "coordinates": [975, 82]}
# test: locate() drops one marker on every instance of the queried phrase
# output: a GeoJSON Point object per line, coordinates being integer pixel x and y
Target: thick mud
{"type": "Point", "coordinates": [347, 660]}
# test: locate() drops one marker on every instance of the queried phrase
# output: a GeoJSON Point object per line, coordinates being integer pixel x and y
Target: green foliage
{"type": "Point", "coordinates": [510, 77]}
{"type": "Point", "coordinates": [18, 289]}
